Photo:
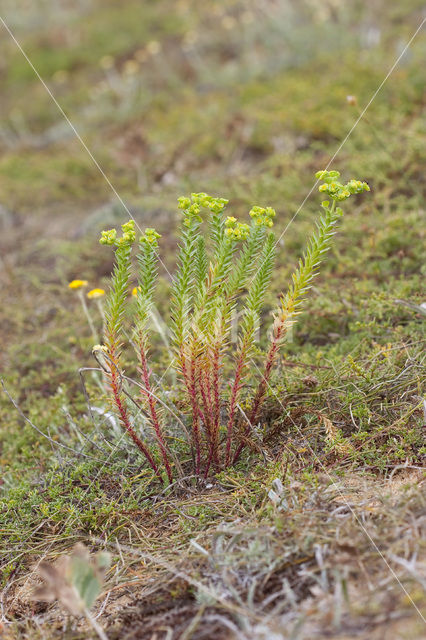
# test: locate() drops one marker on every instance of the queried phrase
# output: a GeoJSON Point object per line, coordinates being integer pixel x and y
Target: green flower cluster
{"type": "Point", "coordinates": [150, 237]}
{"type": "Point", "coordinates": [263, 217]}
{"type": "Point", "coordinates": [215, 205]}
{"type": "Point", "coordinates": [184, 202]}
{"type": "Point", "coordinates": [236, 230]}
{"type": "Point", "coordinates": [192, 206]}
{"type": "Point", "coordinates": [109, 237]}
{"type": "Point", "coordinates": [356, 186]}
{"type": "Point", "coordinates": [336, 190]}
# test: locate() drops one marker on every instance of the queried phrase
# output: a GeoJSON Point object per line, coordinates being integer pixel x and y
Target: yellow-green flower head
{"type": "Point", "coordinates": [217, 205]}
{"type": "Point", "coordinates": [204, 200]}
{"type": "Point", "coordinates": [129, 234]}
{"type": "Point", "coordinates": [343, 194]}
{"type": "Point", "coordinates": [152, 232]}
{"type": "Point", "coordinates": [327, 176]}
{"type": "Point", "coordinates": [320, 175]}
{"type": "Point", "coordinates": [356, 186]}
{"type": "Point", "coordinates": [197, 198]}
{"type": "Point", "coordinates": [95, 293]}
{"type": "Point", "coordinates": [191, 212]}
{"type": "Point", "coordinates": [128, 237]}
{"type": "Point", "coordinates": [263, 217]}
{"type": "Point", "coordinates": [256, 211]}
{"type": "Point", "coordinates": [183, 202]}
{"type": "Point", "coordinates": [194, 210]}
{"type": "Point", "coordinates": [230, 221]}
{"type": "Point", "coordinates": [192, 205]}
{"type": "Point", "coordinates": [128, 226]}
{"type": "Point", "coordinates": [108, 237]}
{"type": "Point", "coordinates": [336, 190]}
{"type": "Point", "coordinates": [244, 230]}
{"type": "Point", "coordinates": [237, 231]}
{"type": "Point", "coordinates": [78, 284]}
{"type": "Point", "coordinates": [150, 237]}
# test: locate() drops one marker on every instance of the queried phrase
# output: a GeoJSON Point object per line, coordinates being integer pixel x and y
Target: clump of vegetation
{"type": "Point", "coordinates": [221, 263]}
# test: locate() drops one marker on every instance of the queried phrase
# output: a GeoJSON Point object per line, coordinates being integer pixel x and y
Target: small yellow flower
{"type": "Point", "coordinates": [135, 291]}
{"type": "Point", "coordinates": [78, 284]}
{"type": "Point", "coordinates": [95, 293]}
{"type": "Point", "coordinates": [99, 347]}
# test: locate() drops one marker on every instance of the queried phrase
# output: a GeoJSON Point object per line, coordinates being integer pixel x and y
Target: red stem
{"type": "Point", "coordinates": [124, 419]}
{"type": "Point", "coordinates": [195, 414]}
{"type": "Point", "coordinates": [191, 385]}
{"type": "Point", "coordinates": [261, 389]}
{"type": "Point", "coordinates": [216, 410]}
{"type": "Point", "coordinates": [233, 402]}
{"type": "Point", "coordinates": [207, 414]}
{"type": "Point", "coordinates": [152, 408]}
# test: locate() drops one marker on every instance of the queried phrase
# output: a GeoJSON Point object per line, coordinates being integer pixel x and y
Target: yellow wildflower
{"type": "Point", "coordinates": [77, 284]}
{"type": "Point", "coordinates": [135, 291]}
{"type": "Point", "coordinates": [96, 293]}
{"type": "Point", "coordinates": [99, 347]}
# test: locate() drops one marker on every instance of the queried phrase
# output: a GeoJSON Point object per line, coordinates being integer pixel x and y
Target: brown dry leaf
{"type": "Point", "coordinates": [57, 585]}
{"type": "Point", "coordinates": [74, 580]}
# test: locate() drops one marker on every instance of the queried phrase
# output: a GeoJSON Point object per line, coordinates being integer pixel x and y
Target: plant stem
{"type": "Point", "coordinates": [152, 408]}
{"type": "Point", "coordinates": [80, 294]}
{"type": "Point", "coordinates": [308, 268]}
{"type": "Point", "coordinates": [233, 404]}
{"type": "Point", "coordinates": [261, 389]}
{"type": "Point", "coordinates": [195, 413]}
{"type": "Point", "coordinates": [124, 419]}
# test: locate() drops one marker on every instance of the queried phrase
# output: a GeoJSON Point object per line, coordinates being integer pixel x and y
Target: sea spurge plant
{"type": "Point", "coordinates": [147, 274]}
{"type": "Point", "coordinates": [113, 334]}
{"type": "Point", "coordinates": [223, 265]}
